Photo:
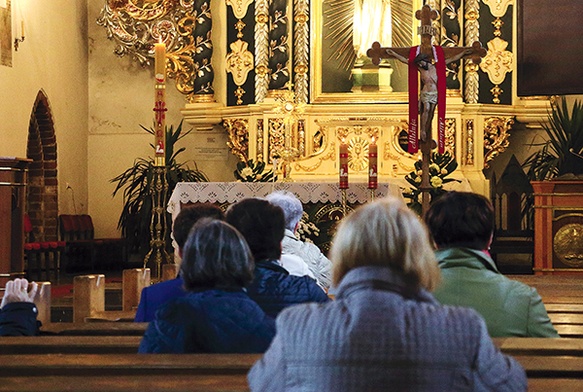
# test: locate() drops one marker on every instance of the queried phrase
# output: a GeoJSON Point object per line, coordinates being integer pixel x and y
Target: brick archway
{"type": "Point", "coordinates": [42, 200]}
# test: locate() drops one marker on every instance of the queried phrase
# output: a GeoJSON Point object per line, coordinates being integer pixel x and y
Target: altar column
{"type": "Point", "coordinates": [13, 180]}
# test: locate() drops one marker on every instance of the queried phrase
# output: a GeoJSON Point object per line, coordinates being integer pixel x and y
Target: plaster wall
{"type": "Point", "coordinates": [121, 97]}
{"type": "Point", "coordinates": [52, 58]}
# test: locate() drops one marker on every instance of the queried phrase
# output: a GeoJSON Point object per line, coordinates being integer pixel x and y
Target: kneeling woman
{"type": "Point", "coordinates": [216, 316]}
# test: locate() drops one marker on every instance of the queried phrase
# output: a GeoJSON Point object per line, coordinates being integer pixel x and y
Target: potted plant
{"type": "Point", "coordinates": [136, 183]}
{"type": "Point", "coordinates": [559, 156]}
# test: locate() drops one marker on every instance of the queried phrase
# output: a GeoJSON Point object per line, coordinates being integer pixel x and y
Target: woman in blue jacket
{"type": "Point", "coordinates": [217, 315]}
{"type": "Point", "coordinates": [17, 310]}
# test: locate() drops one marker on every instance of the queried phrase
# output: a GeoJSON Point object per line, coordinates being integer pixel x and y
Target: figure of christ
{"type": "Point", "coordinates": [428, 92]}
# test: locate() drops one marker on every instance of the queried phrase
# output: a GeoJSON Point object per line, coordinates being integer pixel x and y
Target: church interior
{"type": "Point", "coordinates": [115, 114]}
{"type": "Point", "coordinates": [79, 85]}
{"type": "Point", "coordinates": [274, 82]}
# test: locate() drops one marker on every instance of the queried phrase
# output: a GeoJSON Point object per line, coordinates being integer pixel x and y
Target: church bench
{"type": "Point", "coordinates": [555, 384]}
{"type": "Point", "coordinates": [211, 371]}
{"type": "Point", "coordinates": [69, 344]}
{"type": "Point", "coordinates": [566, 318]}
{"type": "Point", "coordinates": [106, 328]}
{"type": "Point", "coordinates": [89, 296]}
{"type": "Point", "coordinates": [540, 346]}
{"type": "Point", "coordinates": [119, 344]}
{"type": "Point", "coordinates": [125, 364]}
{"type": "Point", "coordinates": [122, 372]}
{"type": "Point", "coordinates": [570, 330]}
{"type": "Point", "coordinates": [564, 308]}
{"type": "Point", "coordinates": [555, 288]}
{"type": "Point", "coordinates": [116, 383]}
{"type": "Point", "coordinates": [550, 366]}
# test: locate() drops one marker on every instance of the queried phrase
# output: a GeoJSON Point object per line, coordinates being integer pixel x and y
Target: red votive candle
{"type": "Point", "coordinates": [343, 166]}
{"type": "Point", "coordinates": [372, 165]}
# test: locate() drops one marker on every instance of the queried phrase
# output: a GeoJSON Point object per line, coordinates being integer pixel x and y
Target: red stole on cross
{"type": "Point", "coordinates": [413, 136]}
{"type": "Point", "coordinates": [441, 87]}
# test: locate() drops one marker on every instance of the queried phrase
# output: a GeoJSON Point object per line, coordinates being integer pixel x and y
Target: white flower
{"type": "Point", "coordinates": [246, 172]}
{"type": "Point", "coordinates": [436, 181]}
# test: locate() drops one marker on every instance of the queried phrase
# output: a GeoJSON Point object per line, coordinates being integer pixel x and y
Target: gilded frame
{"type": "Point", "coordinates": [318, 92]}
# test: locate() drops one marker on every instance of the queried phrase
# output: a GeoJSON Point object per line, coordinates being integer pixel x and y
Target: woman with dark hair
{"type": "Point", "coordinates": [462, 226]}
{"type": "Point", "coordinates": [216, 316]}
{"type": "Point", "coordinates": [384, 330]}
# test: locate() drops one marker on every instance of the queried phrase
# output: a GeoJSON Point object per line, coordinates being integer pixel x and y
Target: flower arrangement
{"type": "Point", "coordinates": [253, 172]}
{"type": "Point", "coordinates": [440, 166]}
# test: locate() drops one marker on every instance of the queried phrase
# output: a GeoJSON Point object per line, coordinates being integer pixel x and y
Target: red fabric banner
{"type": "Point", "coordinates": [413, 137]}
{"type": "Point", "coordinates": [441, 92]}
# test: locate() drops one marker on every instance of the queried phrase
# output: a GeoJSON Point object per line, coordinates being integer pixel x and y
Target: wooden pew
{"type": "Point", "coordinates": [89, 296]}
{"type": "Point", "coordinates": [60, 344]}
{"type": "Point", "coordinates": [551, 364]}
{"type": "Point", "coordinates": [106, 328]}
{"type": "Point", "coordinates": [564, 308]}
{"type": "Point", "coordinates": [210, 371]}
{"type": "Point", "coordinates": [119, 344]}
{"type": "Point", "coordinates": [540, 346]}
{"type": "Point", "coordinates": [118, 372]}
{"type": "Point", "coordinates": [555, 289]}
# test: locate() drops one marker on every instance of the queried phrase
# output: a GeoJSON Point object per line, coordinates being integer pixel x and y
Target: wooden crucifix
{"type": "Point", "coordinates": [430, 62]}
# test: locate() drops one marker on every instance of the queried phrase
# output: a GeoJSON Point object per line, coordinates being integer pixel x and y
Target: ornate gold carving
{"type": "Point", "coordinates": [134, 25]}
{"type": "Point", "coordinates": [328, 157]}
{"type": "Point", "coordinates": [568, 244]}
{"type": "Point", "coordinates": [259, 140]}
{"type": "Point", "coordinates": [469, 146]}
{"type": "Point", "coordinates": [472, 33]}
{"type": "Point", "coordinates": [301, 49]}
{"type": "Point", "coordinates": [238, 131]}
{"type": "Point", "coordinates": [496, 92]}
{"type": "Point", "coordinates": [301, 137]}
{"type": "Point", "coordinates": [358, 154]}
{"type": "Point", "coordinates": [496, 137]}
{"type": "Point", "coordinates": [261, 50]}
{"type": "Point", "coordinates": [239, 7]}
{"type": "Point", "coordinates": [201, 98]}
{"type": "Point", "coordinates": [239, 62]}
{"type": "Point", "coordinates": [498, 62]}
{"type": "Point", "coordinates": [498, 7]}
{"type": "Point", "coordinates": [318, 142]}
{"type": "Point", "coordinates": [276, 132]}
{"type": "Point", "coordinates": [497, 23]}
{"type": "Point", "coordinates": [240, 25]}
{"type": "Point", "coordinates": [239, 92]}
{"type": "Point", "coordinates": [261, 18]}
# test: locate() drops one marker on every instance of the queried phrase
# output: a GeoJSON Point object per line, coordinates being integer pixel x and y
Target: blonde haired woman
{"type": "Point", "coordinates": [385, 331]}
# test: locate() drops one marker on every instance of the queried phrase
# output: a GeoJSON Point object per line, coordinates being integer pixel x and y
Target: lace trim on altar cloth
{"type": "Point", "coordinates": [307, 192]}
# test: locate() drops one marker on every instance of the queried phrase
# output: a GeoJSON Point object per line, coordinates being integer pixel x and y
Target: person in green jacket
{"type": "Point", "coordinates": [462, 225]}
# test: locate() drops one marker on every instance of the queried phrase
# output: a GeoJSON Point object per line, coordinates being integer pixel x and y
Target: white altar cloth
{"type": "Point", "coordinates": [307, 192]}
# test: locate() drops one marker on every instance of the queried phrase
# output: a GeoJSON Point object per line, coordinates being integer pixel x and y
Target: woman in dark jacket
{"type": "Point", "coordinates": [217, 315]}
{"type": "Point", "coordinates": [17, 310]}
